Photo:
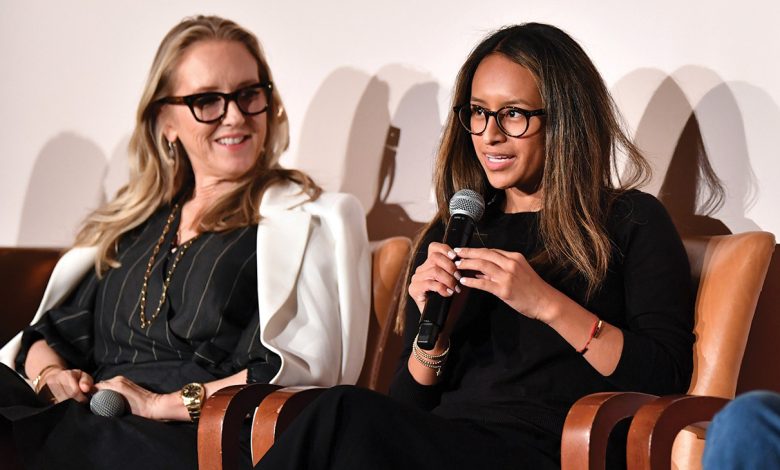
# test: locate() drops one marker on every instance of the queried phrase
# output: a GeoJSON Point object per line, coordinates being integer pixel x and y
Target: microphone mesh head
{"type": "Point", "coordinates": [467, 202]}
{"type": "Point", "coordinates": [107, 403]}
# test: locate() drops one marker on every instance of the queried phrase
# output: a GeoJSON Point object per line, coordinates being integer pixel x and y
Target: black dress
{"type": "Point", "coordinates": [510, 380]}
{"type": "Point", "coordinates": [208, 328]}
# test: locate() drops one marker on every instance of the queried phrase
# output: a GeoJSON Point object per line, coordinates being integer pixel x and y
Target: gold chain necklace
{"type": "Point", "coordinates": [179, 254]}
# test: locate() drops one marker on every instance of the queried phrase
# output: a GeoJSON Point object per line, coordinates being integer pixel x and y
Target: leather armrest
{"type": "Point", "coordinates": [657, 423]}
{"type": "Point", "coordinates": [588, 424]}
{"type": "Point", "coordinates": [221, 420]}
{"type": "Point", "coordinates": [275, 413]}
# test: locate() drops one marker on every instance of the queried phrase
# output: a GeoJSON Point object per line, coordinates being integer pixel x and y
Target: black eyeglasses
{"type": "Point", "coordinates": [211, 106]}
{"type": "Point", "coordinates": [511, 120]}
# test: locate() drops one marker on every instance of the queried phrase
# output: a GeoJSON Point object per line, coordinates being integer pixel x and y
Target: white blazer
{"type": "Point", "coordinates": [313, 282]}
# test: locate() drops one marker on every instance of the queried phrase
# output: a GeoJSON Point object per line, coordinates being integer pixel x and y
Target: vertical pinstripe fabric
{"type": "Point", "coordinates": [207, 328]}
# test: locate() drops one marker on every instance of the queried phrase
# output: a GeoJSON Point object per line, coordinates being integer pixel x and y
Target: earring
{"type": "Point", "coordinates": [171, 150]}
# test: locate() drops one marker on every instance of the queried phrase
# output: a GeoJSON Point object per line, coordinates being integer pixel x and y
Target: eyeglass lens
{"type": "Point", "coordinates": [212, 106]}
{"type": "Point", "coordinates": [510, 120]}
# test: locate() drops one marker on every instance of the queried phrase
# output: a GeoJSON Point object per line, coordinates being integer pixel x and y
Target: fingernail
{"type": "Point", "coordinates": [457, 274]}
{"type": "Point", "coordinates": [449, 291]}
{"type": "Point", "coordinates": [457, 250]}
{"type": "Point", "coordinates": [451, 255]}
{"type": "Point", "coordinates": [464, 281]}
{"type": "Point", "coordinates": [457, 263]}
{"type": "Point", "coordinates": [457, 289]}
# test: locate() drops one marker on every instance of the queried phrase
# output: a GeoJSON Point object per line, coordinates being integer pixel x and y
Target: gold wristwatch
{"type": "Point", "coordinates": [192, 395]}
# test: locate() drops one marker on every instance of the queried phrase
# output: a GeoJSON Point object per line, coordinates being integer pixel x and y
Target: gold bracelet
{"type": "Point", "coordinates": [435, 365]}
{"type": "Point", "coordinates": [37, 380]}
{"type": "Point", "coordinates": [431, 357]}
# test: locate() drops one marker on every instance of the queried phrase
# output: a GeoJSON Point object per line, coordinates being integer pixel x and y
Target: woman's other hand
{"type": "Point", "coordinates": [437, 274]}
{"type": "Point", "coordinates": [508, 276]}
{"type": "Point", "coordinates": [64, 384]}
{"type": "Point", "coordinates": [141, 401]}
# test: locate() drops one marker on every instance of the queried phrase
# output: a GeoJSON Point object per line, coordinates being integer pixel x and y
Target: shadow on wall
{"type": "Point", "coordinates": [350, 143]}
{"type": "Point", "coordinates": [702, 170]}
{"type": "Point", "coordinates": [324, 130]}
{"type": "Point", "coordinates": [65, 185]}
{"type": "Point", "coordinates": [406, 171]}
{"type": "Point", "coordinates": [670, 137]}
{"type": "Point", "coordinates": [366, 143]}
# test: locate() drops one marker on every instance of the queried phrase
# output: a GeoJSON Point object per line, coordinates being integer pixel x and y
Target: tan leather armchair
{"type": "Point", "coordinates": [274, 407]}
{"type": "Point", "coordinates": [729, 271]}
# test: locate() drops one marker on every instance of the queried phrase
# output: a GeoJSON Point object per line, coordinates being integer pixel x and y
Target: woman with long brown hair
{"type": "Point", "coordinates": [574, 281]}
{"type": "Point", "coordinates": [214, 266]}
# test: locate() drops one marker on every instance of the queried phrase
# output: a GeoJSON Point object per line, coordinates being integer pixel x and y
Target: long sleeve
{"type": "Point", "coordinates": [657, 352]}
{"type": "Point", "coordinates": [67, 328]}
{"type": "Point", "coordinates": [404, 388]}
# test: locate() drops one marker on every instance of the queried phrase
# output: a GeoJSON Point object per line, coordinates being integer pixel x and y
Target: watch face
{"type": "Point", "coordinates": [193, 391]}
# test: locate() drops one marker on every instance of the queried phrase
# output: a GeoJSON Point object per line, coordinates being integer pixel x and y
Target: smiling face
{"type": "Point", "coordinates": [228, 148]}
{"type": "Point", "coordinates": [514, 164]}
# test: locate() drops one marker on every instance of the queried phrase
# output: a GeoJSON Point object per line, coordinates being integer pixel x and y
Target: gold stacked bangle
{"type": "Point", "coordinates": [431, 361]}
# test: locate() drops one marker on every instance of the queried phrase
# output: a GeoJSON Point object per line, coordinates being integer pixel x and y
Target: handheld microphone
{"type": "Point", "coordinates": [466, 208]}
{"type": "Point", "coordinates": [107, 403]}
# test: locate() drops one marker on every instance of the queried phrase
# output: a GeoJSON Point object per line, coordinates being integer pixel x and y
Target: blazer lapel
{"type": "Point", "coordinates": [282, 235]}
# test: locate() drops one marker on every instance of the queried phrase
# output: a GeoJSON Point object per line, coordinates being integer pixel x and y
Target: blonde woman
{"type": "Point", "coordinates": [214, 266]}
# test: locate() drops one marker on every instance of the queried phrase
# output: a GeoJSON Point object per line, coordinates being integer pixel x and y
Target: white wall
{"type": "Point", "coordinates": [72, 73]}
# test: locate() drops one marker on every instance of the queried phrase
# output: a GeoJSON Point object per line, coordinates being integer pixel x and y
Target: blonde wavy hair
{"type": "Point", "coordinates": [157, 175]}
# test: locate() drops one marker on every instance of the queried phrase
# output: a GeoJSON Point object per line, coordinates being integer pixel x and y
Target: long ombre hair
{"type": "Point", "coordinates": [584, 140]}
{"type": "Point", "coordinates": [158, 174]}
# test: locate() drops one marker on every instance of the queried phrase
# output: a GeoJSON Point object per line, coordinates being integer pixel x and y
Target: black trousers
{"type": "Point", "coordinates": [348, 428]}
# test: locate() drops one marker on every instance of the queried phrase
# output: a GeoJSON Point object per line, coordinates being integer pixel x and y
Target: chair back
{"type": "Point", "coordinates": [389, 258]}
{"type": "Point", "coordinates": [729, 272]}
{"type": "Point", "coordinates": [24, 273]}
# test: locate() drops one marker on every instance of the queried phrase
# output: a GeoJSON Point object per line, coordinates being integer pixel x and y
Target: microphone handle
{"type": "Point", "coordinates": [459, 230]}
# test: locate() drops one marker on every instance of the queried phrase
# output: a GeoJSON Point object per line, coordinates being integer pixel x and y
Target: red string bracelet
{"type": "Point", "coordinates": [594, 333]}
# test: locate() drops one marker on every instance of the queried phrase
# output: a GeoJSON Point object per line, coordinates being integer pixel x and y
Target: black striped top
{"type": "Point", "coordinates": [208, 327]}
